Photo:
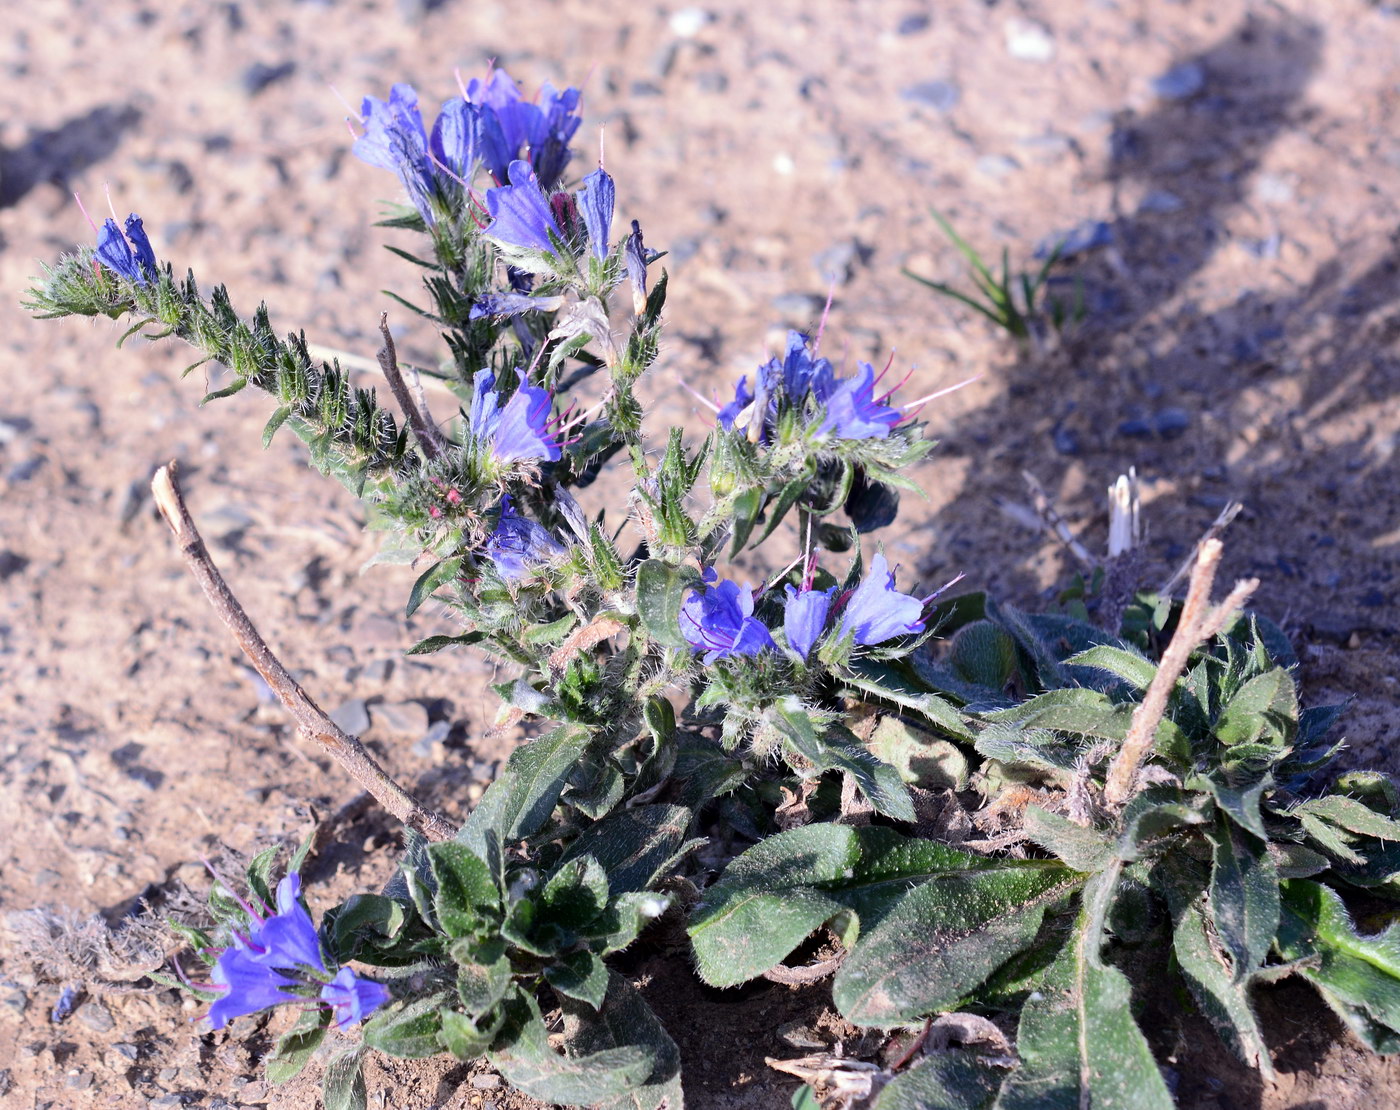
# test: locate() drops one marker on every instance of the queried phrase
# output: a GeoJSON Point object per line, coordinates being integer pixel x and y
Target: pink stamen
{"type": "Point", "coordinates": [942, 589]}
{"type": "Point", "coordinates": [448, 171]}
{"type": "Point", "coordinates": [107, 189]}
{"type": "Point", "coordinates": [343, 102]}
{"type": "Point", "coordinates": [888, 363]}
{"type": "Point", "coordinates": [941, 392]}
{"type": "Point", "coordinates": [714, 408]}
{"type": "Point", "coordinates": [821, 328]}
{"type": "Point", "coordinates": [601, 133]}
{"type": "Point", "coordinates": [895, 388]}
{"type": "Point", "coordinates": [779, 576]}
{"type": "Point", "coordinates": [461, 85]}
{"type": "Point", "coordinates": [228, 886]}
{"type": "Point", "coordinates": [82, 208]}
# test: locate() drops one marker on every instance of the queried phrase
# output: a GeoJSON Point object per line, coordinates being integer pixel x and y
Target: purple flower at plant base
{"type": "Point", "coordinates": [804, 617]}
{"type": "Point", "coordinates": [130, 255]}
{"type": "Point", "coordinates": [876, 611]}
{"type": "Point", "coordinates": [519, 430]}
{"type": "Point", "coordinates": [249, 985]}
{"type": "Point", "coordinates": [520, 214]}
{"type": "Point", "coordinates": [287, 939]}
{"type": "Point", "coordinates": [719, 621]}
{"type": "Point", "coordinates": [353, 999]}
{"type": "Point", "coordinates": [595, 203]}
{"type": "Point", "coordinates": [518, 544]}
{"type": "Point", "coordinates": [852, 412]}
{"type": "Point", "coordinates": [395, 140]}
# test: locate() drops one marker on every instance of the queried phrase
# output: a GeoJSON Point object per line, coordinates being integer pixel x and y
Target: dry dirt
{"type": "Point", "coordinates": [1240, 341]}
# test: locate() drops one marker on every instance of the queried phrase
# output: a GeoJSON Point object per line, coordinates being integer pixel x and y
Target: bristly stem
{"type": "Point", "coordinates": [310, 717]}
{"type": "Point", "coordinates": [1199, 622]}
{"type": "Point", "coordinates": [429, 438]}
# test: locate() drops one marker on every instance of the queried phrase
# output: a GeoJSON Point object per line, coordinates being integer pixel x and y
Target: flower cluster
{"type": "Point", "coordinates": [517, 430]}
{"type": "Point", "coordinates": [720, 620]}
{"type": "Point", "coordinates": [129, 256]}
{"type": "Point", "coordinates": [279, 960]}
{"type": "Point", "coordinates": [518, 544]}
{"type": "Point", "coordinates": [525, 222]}
{"type": "Point", "coordinates": [845, 408]}
{"type": "Point", "coordinates": [489, 124]}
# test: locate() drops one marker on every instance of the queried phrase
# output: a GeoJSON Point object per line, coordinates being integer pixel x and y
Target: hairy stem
{"type": "Point", "coordinates": [1199, 622]}
{"type": "Point", "coordinates": [429, 438]}
{"type": "Point", "coordinates": [310, 718]}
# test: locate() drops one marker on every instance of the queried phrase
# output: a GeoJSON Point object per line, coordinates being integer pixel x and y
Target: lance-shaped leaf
{"type": "Point", "coordinates": [1357, 974]}
{"type": "Point", "coordinates": [1134, 669]}
{"type": "Point", "coordinates": [1244, 898]}
{"type": "Point", "coordinates": [410, 1031]}
{"type": "Point", "coordinates": [949, 1081]}
{"type": "Point", "coordinates": [944, 938]}
{"type": "Point", "coordinates": [467, 899]}
{"type": "Point", "coordinates": [1077, 710]}
{"type": "Point", "coordinates": [879, 782]}
{"type": "Point", "coordinates": [897, 683]}
{"type": "Point", "coordinates": [1264, 709]}
{"type": "Point", "coordinates": [635, 846]}
{"type": "Point", "coordinates": [661, 589]}
{"type": "Point", "coordinates": [528, 1062]}
{"type": "Point", "coordinates": [1222, 999]}
{"type": "Point", "coordinates": [1078, 1043]}
{"type": "Point", "coordinates": [1082, 848]}
{"type": "Point", "coordinates": [343, 1085]}
{"type": "Point", "coordinates": [294, 1049]}
{"type": "Point", "coordinates": [1351, 815]}
{"type": "Point", "coordinates": [624, 1020]}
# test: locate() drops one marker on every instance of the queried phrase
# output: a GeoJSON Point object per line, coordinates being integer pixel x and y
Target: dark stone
{"type": "Point", "coordinates": [11, 564]}
{"type": "Point", "coordinates": [259, 76]}
{"type": "Point", "coordinates": [1135, 429]}
{"type": "Point", "coordinates": [1065, 440]}
{"type": "Point", "coordinates": [96, 1017]}
{"type": "Point", "coordinates": [1172, 422]}
{"type": "Point", "coordinates": [1372, 599]}
{"type": "Point", "coordinates": [1180, 82]}
{"type": "Point", "coordinates": [913, 24]}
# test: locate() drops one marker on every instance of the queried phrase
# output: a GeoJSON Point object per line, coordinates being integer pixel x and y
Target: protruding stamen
{"type": "Point", "coordinates": [941, 393]}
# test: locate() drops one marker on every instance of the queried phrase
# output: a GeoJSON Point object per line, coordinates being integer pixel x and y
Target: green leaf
{"type": "Point", "coordinates": [624, 1020]}
{"type": "Point", "coordinates": [1222, 996]}
{"type": "Point", "coordinates": [1357, 974]}
{"type": "Point", "coordinates": [436, 575]}
{"type": "Point", "coordinates": [294, 1049]}
{"type": "Point", "coordinates": [921, 758]}
{"type": "Point", "coordinates": [1264, 708]}
{"type": "Point", "coordinates": [1244, 898]}
{"type": "Point", "coordinates": [948, 1081]}
{"type": "Point", "coordinates": [259, 874]}
{"type": "Point", "coordinates": [943, 939]}
{"type": "Point", "coordinates": [1078, 1043]}
{"type": "Point", "coordinates": [529, 1063]}
{"type": "Point", "coordinates": [467, 900]}
{"type": "Point", "coordinates": [468, 1038]}
{"type": "Point", "coordinates": [276, 421]}
{"type": "Point", "coordinates": [1082, 848]}
{"type": "Point", "coordinates": [660, 591]}
{"type": "Point", "coordinates": [437, 643]}
{"type": "Point", "coordinates": [227, 391]}
{"type": "Point", "coordinates": [1134, 669]}
{"type": "Point", "coordinates": [343, 1084]}
{"type": "Point", "coordinates": [1238, 793]}
{"type": "Point", "coordinates": [483, 972]}
{"type": "Point", "coordinates": [410, 1031]}
{"type": "Point", "coordinates": [522, 799]}
{"type": "Point", "coordinates": [575, 894]}
{"type": "Point", "coordinates": [366, 919]}
{"type": "Point", "coordinates": [580, 975]}
{"type": "Point", "coordinates": [879, 782]}
{"type": "Point", "coordinates": [1349, 814]}
{"type": "Point", "coordinates": [1078, 710]}
{"type": "Point", "coordinates": [766, 903]}
{"type": "Point", "coordinates": [896, 684]}
{"type": "Point", "coordinates": [634, 846]}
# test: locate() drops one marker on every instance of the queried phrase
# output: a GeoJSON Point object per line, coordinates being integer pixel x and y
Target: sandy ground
{"type": "Point", "coordinates": [1233, 166]}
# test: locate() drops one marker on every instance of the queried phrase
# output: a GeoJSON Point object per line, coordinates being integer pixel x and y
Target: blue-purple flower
{"type": "Point", "coordinates": [511, 124]}
{"type": "Point", "coordinates": [512, 304]}
{"type": "Point", "coordinates": [518, 544]}
{"type": "Point", "coordinates": [595, 203]}
{"type": "Point", "coordinates": [521, 216]}
{"type": "Point", "coordinates": [876, 611]}
{"type": "Point", "coordinates": [395, 140]}
{"type": "Point", "coordinates": [804, 617]}
{"type": "Point", "coordinates": [719, 620]}
{"type": "Point", "coordinates": [249, 986]}
{"type": "Point", "coordinates": [274, 961]}
{"type": "Point", "coordinates": [456, 142]}
{"type": "Point", "coordinates": [852, 412]}
{"type": "Point", "coordinates": [634, 252]}
{"type": "Point", "coordinates": [517, 430]}
{"type": "Point", "coordinates": [803, 373]}
{"type": "Point", "coordinates": [352, 998]}
{"type": "Point", "coordinates": [130, 255]}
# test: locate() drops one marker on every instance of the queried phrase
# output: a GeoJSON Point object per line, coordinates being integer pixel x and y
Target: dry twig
{"type": "Point", "coordinates": [426, 432]}
{"type": "Point", "coordinates": [1054, 523]}
{"type": "Point", "coordinates": [311, 719]}
{"type": "Point", "coordinates": [1198, 623]}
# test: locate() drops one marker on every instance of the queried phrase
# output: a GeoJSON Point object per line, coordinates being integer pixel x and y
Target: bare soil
{"type": "Point", "coordinates": [1239, 341]}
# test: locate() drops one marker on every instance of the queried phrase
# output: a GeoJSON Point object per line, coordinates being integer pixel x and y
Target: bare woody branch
{"type": "Point", "coordinates": [426, 432]}
{"type": "Point", "coordinates": [310, 718]}
{"type": "Point", "coordinates": [1198, 623]}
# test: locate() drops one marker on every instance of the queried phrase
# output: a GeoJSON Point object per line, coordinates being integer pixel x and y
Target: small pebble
{"type": "Point", "coordinates": [1029, 42]}
{"type": "Point", "coordinates": [127, 1049]}
{"type": "Point", "coordinates": [352, 716]}
{"type": "Point", "coordinates": [79, 1080]}
{"type": "Point", "coordinates": [942, 96]}
{"type": "Point", "coordinates": [913, 24]}
{"type": "Point", "coordinates": [997, 166]}
{"type": "Point", "coordinates": [1065, 440]}
{"type": "Point", "coordinates": [1160, 200]}
{"type": "Point", "coordinates": [406, 718]}
{"type": "Point", "coordinates": [378, 670]}
{"type": "Point", "coordinates": [12, 996]}
{"type": "Point", "coordinates": [95, 1016]}
{"type": "Point", "coordinates": [688, 22]}
{"type": "Point", "coordinates": [487, 1082]}
{"type": "Point", "coordinates": [835, 265]}
{"type": "Point", "coordinates": [437, 732]}
{"type": "Point", "coordinates": [1180, 82]}
{"type": "Point", "coordinates": [11, 564]}
{"type": "Point", "coordinates": [1135, 429]}
{"type": "Point", "coordinates": [25, 469]}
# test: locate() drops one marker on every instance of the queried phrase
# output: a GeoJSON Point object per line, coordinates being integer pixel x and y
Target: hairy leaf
{"type": "Point", "coordinates": [1244, 899]}
{"type": "Point", "coordinates": [634, 846]}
